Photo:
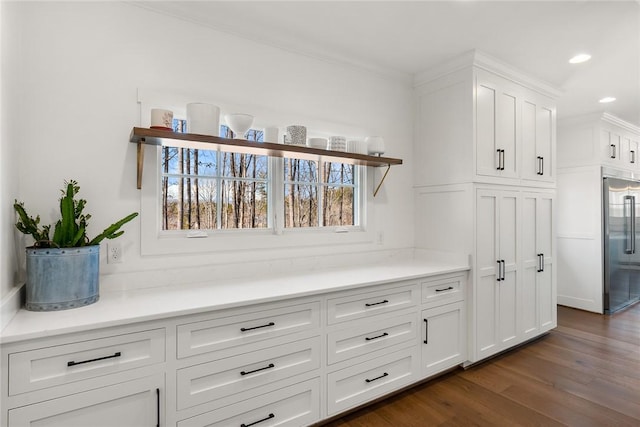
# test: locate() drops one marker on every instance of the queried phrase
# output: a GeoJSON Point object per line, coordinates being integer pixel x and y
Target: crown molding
{"type": "Point", "coordinates": [481, 60]}
{"type": "Point", "coordinates": [614, 120]}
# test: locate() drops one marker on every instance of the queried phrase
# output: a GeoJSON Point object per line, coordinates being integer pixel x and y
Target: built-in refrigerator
{"type": "Point", "coordinates": [621, 227]}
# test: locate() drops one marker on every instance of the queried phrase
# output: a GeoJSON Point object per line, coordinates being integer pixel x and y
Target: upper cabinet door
{"type": "Point", "coordinates": [497, 140]}
{"type": "Point", "coordinates": [538, 138]}
{"type": "Point", "coordinates": [611, 148]}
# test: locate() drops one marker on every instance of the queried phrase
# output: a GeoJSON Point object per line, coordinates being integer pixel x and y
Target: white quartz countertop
{"type": "Point", "coordinates": [125, 307]}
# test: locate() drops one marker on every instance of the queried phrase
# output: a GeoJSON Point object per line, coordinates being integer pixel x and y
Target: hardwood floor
{"type": "Point", "coordinates": [586, 372]}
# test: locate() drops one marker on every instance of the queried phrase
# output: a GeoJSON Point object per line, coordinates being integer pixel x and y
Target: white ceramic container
{"type": "Point", "coordinates": [203, 119]}
{"type": "Point", "coordinates": [375, 145]}
{"type": "Point", "coordinates": [338, 143]}
{"type": "Point", "coordinates": [239, 123]}
{"type": "Point", "coordinates": [161, 119]}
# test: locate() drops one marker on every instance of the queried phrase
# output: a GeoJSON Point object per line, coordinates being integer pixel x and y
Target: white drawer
{"type": "Point", "coordinates": [209, 381]}
{"type": "Point", "coordinates": [225, 332]}
{"type": "Point", "coordinates": [371, 336]}
{"type": "Point", "coordinates": [62, 364]}
{"type": "Point", "coordinates": [296, 405]}
{"type": "Point", "coordinates": [378, 300]}
{"type": "Point", "coordinates": [360, 383]}
{"type": "Point", "coordinates": [443, 291]}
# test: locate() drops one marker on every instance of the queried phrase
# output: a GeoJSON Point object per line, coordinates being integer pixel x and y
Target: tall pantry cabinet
{"type": "Point", "coordinates": [484, 178]}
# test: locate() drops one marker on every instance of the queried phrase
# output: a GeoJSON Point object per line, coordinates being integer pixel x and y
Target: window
{"type": "Point", "coordinates": [214, 190]}
{"type": "Point", "coordinates": [315, 199]}
{"type": "Point", "coordinates": [209, 190]}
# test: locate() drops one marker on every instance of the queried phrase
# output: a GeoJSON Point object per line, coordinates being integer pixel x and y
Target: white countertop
{"type": "Point", "coordinates": [125, 307]}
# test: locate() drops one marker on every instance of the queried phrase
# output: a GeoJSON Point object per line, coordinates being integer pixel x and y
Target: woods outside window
{"type": "Point", "coordinates": [215, 190]}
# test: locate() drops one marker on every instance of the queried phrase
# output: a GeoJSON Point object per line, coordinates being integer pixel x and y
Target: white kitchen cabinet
{"type": "Point", "coordinates": [497, 133]}
{"type": "Point", "coordinates": [353, 305]}
{"type": "Point", "coordinates": [538, 138]}
{"type": "Point", "coordinates": [598, 140]}
{"type": "Point", "coordinates": [385, 332]}
{"type": "Point", "coordinates": [221, 334]}
{"type": "Point", "coordinates": [612, 149]}
{"type": "Point", "coordinates": [485, 133]}
{"type": "Point", "coordinates": [481, 121]}
{"type": "Point", "coordinates": [295, 361]}
{"type": "Point", "coordinates": [537, 293]}
{"type": "Point", "coordinates": [497, 271]}
{"type": "Point", "coordinates": [133, 403]}
{"type": "Point", "coordinates": [443, 338]}
{"type": "Point", "coordinates": [365, 381]}
{"type": "Point", "coordinates": [209, 382]}
{"type": "Point", "coordinates": [296, 405]}
{"type": "Point", "coordinates": [63, 364]}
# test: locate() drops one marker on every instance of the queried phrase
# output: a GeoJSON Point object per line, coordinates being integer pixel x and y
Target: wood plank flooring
{"type": "Point", "coordinates": [586, 372]}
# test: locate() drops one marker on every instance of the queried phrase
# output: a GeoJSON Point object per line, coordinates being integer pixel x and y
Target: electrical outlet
{"type": "Point", "coordinates": [115, 253]}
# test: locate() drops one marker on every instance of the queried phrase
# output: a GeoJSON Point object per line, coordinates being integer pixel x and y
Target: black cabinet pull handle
{"type": "Point", "coordinates": [499, 151]}
{"type": "Point", "coordinates": [376, 303]}
{"type": "Point", "coordinates": [540, 263]}
{"type": "Point", "coordinates": [377, 378]}
{"type": "Point", "coordinates": [268, 417]}
{"type": "Point", "coordinates": [502, 168]}
{"type": "Point", "coordinates": [116, 354]}
{"type": "Point", "coordinates": [426, 328]}
{"type": "Point", "coordinates": [375, 338]}
{"type": "Point", "coordinates": [540, 165]}
{"type": "Point", "coordinates": [445, 289]}
{"type": "Point", "coordinates": [158, 407]}
{"type": "Point", "coordinates": [613, 151]}
{"type": "Point", "coordinates": [499, 273]}
{"type": "Point", "coordinates": [633, 156]}
{"type": "Point", "coordinates": [539, 268]}
{"type": "Point", "coordinates": [271, 365]}
{"type": "Point", "coordinates": [257, 327]}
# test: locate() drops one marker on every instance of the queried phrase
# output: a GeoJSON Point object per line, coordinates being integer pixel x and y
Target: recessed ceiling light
{"type": "Point", "coordinates": [607, 99]}
{"type": "Point", "coordinates": [583, 57]}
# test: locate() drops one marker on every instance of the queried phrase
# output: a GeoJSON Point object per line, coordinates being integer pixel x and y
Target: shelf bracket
{"type": "Point", "coordinates": [381, 181]}
{"type": "Point", "coordinates": [140, 162]}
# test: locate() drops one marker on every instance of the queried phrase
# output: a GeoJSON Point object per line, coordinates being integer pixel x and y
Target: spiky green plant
{"type": "Point", "coordinates": [71, 230]}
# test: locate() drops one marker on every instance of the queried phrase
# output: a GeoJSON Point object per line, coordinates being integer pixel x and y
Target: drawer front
{"type": "Point", "coordinates": [47, 367]}
{"type": "Point", "coordinates": [209, 381]}
{"type": "Point", "coordinates": [297, 405]}
{"type": "Point", "coordinates": [129, 404]}
{"type": "Point", "coordinates": [371, 336]}
{"type": "Point", "coordinates": [360, 383]}
{"type": "Point", "coordinates": [211, 335]}
{"type": "Point", "coordinates": [377, 301]}
{"type": "Point", "coordinates": [443, 291]}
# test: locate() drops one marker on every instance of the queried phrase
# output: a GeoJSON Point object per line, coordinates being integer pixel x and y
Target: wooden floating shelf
{"type": "Point", "coordinates": [161, 137]}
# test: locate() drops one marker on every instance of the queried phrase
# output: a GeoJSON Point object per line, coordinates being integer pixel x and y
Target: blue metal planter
{"type": "Point", "coordinates": [59, 279]}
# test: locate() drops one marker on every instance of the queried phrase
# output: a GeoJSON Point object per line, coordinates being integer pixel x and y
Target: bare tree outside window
{"type": "Point", "coordinates": [313, 199]}
{"type": "Point", "coordinates": [208, 190]}
{"type": "Point", "coordinates": [215, 190]}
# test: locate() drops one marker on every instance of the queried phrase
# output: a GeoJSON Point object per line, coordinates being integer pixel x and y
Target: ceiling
{"type": "Point", "coordinates": [401, 38]}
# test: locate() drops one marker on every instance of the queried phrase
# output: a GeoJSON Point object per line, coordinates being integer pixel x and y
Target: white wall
{"type": "Point", "coordinates": [81, 66]}
{"type": "Point", "coordinates": [9, 105]}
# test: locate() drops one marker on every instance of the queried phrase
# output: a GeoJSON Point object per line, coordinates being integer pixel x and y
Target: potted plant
{"type": "Point", "coordinates": [63, 270]}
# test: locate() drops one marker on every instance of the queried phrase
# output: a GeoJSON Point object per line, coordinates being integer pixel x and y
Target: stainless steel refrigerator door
{"type": "Point", "coordinates": [618, 242]}
{"type": "Point", "coordinates": [634, 265]}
